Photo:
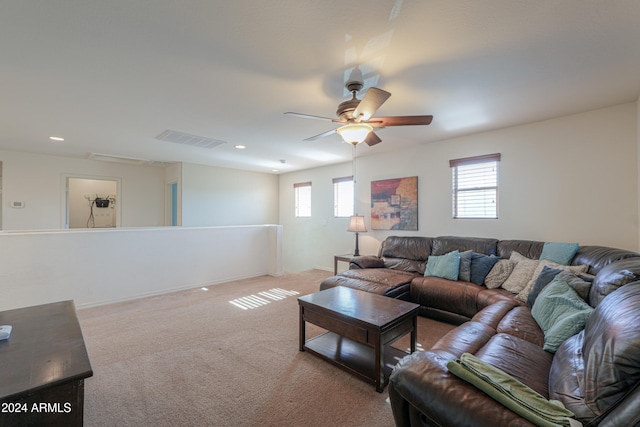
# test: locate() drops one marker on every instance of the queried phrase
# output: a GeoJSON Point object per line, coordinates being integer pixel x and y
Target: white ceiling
{"type": "Point", "coordinates": [110, 76]}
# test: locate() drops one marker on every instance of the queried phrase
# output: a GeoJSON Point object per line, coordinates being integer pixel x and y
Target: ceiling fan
{"type": "Point", "coordinates": [355, 116]}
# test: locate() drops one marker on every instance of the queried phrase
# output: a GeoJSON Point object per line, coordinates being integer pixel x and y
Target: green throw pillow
{"type": "Point", "coordinates": [560, 313]}
{"type": "Point", "coordinates": [446, 266]}
{"type": "Point", "coordinates": [559, 252]}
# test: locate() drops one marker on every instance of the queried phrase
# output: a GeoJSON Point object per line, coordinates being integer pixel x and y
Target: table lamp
{"type": "Point", "coordinates": [356, 225]}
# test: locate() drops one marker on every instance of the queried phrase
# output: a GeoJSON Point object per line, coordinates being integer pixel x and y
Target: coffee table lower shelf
{"type": "Point", "coordinates": [352, 356]}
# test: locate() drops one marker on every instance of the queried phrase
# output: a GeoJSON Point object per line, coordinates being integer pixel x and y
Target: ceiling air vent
{"type": "Point", "coordinates": [188, 139]}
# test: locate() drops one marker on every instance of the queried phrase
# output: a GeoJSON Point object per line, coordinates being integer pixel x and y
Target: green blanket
{"type": "Point", "coordinates": [510, 392]}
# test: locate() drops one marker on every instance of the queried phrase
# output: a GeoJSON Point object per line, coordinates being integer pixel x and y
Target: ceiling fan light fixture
{"type": "Point", "coordinates": [354, 133]}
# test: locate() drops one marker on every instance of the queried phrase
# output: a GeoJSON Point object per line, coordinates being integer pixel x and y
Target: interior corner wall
{"type": "Point", "coordinates": [312, 242]}
{"type": "Point", "coordinates": [213, 196]}
{"type": "Point", "coordinates": [38, 181]}
{"type": "Point", "coordinates": [572, 178]}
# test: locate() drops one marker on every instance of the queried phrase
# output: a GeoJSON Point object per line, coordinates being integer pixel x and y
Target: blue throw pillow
{"type": "Point", "coordinates": [562, 253]}
{"type": "Point", "coordinates": [544, 278]}
{"type": "Point", "coordinates": [560, 313]}
{"type": "Point", "coordinates": [481, 265]}
{"type": "Point", "coordinates": [446, 266]}
{"type": "Point", "coordinates": [465, 266]}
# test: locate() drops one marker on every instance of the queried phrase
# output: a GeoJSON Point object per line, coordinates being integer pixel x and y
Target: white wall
{"type": "Point", "coordinates": [312, 242]}
{"type": "Point", "coordinates": [39, 181]}
{"type": "Point", "coordinates": [572, 178]}
{"type": "Point", "coordinates": [219, 196]}
{"type": "Point", "coordinates": [100, 266]}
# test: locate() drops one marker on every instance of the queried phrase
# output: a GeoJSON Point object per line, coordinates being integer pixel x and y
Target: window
{"type": "Point", "coordinates": [302, 199]}
{"type": "Point", "coordinates": [343, 196]}
{"type": "Point", "coordinates": [475, 186]}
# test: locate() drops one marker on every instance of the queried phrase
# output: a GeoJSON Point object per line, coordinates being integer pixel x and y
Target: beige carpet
{"type": "Point", "coordinates": [192, 358]}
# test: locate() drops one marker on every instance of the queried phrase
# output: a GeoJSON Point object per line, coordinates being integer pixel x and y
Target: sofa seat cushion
{"type": "Point", "coordinates": [381, 281]}
{"type": "Point", "coordinates": [525, 361]}
{"type": "Point", "coordinates": [518, 322]}
{"type": "Point", "coordinates": [466, 338]}
{"type": "Point", "coordinates": [453, 296]}
{"type": "Point", "coordinates": [424, 382]}
{"type": "Point", "coordinates": [493, 314]}
{"type": "Point", "coordinates": [487, 297]}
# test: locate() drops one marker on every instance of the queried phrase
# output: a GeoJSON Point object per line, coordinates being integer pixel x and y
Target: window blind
{"type": "Point", "coordinates": [302, 196]}
{"type": "Point", "coordinates": [343, 196]}
{"type": "Point", "coordinates": [475, 186]}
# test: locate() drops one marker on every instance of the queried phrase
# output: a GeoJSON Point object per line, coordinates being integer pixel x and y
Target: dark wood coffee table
{"type": "Point", "coordinates": [361, 327]}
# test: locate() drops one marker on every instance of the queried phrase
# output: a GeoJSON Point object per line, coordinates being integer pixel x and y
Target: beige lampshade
{"type": "Point", "coordinates": [354, 133]}
{"type": "Point", "coordinates": [356, 224]}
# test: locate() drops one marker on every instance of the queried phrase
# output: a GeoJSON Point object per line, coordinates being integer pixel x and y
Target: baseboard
{"type": "Point", "coordinates": [169, 290]}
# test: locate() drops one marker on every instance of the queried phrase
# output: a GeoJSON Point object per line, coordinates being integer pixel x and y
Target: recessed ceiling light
{"type": "Point", "coordinates": [56, 138]}
{"type": "Point", "coordinates": [241, 147]}
{"type": "Point", "coordinates": [275, 170]}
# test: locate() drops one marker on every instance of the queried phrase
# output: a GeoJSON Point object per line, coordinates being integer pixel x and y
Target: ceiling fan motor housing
{"type": "Point", "coordinates": [346, 108]}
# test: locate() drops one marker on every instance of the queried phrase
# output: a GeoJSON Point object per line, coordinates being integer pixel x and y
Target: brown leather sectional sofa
{"type": "Point", "coordinates": [595, 374]}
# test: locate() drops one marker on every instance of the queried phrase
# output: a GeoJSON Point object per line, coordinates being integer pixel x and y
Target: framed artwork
{"type": "Point", "coordinates": [394, 204]}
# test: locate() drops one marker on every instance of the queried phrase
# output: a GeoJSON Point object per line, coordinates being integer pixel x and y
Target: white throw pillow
{"type": "Point", "coordinates": [499, 273]}
{"type": "Point", "coordinates": [521, 274]}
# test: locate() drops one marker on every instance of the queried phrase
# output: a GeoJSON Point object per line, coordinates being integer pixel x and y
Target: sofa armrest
{"type": "Point", "coordinates": [626, 413]}
{"type": "Point", "coordinates": [422, 381]}
{"type": "Point", "coordinates": [366, 261]}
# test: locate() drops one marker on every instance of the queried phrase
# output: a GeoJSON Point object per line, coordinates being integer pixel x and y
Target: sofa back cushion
{"type": "Point", "coordinates": [527, 248]}
{"type": "Point", "coordinates": [594, 371]}
{"type": "Point", "coordinates": [406, 253]}
{"type": "Point", "coordinates": [445, 244]}
{"type": "Point", "coordinates": [598, 257]}
{"type": "Point", "coordinates": [611, 277]}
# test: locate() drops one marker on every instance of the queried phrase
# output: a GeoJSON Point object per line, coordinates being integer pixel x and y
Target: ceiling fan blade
{"type": "Point", "coordinates": [309, 116]}
{"type": "Point", "coordinates": [372, 100]}
{"type": "Point", "coordinates": [322, 135]}
{"type": "Point", "coordinates": [372, 139]}
{"type": "Point", "coordinates": [378, 122]}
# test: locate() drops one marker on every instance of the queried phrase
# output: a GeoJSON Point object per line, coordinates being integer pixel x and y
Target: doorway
{"type": "Point", "coordinates": [172, 204]}
{"type": "Point", "coordinates": [92, 203]}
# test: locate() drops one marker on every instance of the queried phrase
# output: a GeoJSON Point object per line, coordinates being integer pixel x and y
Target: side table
{"type": "Point", "coordinates": [343, 258]}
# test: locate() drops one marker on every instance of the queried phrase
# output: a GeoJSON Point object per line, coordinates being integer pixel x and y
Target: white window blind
{"type": "Point", "coordinates": [475, 186]}
{"type": "Point", "coordinates": [343, 196]}
{"type": "Point", "coordinates": [302, 192]}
